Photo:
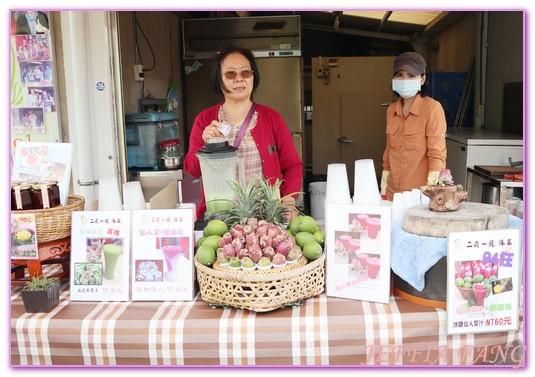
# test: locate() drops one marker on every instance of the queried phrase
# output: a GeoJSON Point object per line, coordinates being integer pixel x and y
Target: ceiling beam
{"type": "Point", "coordinates": [359, 33]}
{"type": "Point", "coordinates": [385, 18]}
{"type": "Point", "coordinates": [442, 21]}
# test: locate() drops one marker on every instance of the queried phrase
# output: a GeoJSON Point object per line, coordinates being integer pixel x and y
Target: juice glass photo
{"type": "Point", "coordinates": [362, 257]}
{"type": "Point", "coordinates": [345, 241]}
{"type": "Point", "coordinates": [171, 255]}
{"type": "Point", "coordinates": [374, 226]}
{"type": "Point", "coordinates": [480, 291]}
{"type": "Point", "coordinates": [374, 265]}
{"type": "Point", "coordinates": [112, 253]}
{"type": "Point", "coordinates": [362, 220]}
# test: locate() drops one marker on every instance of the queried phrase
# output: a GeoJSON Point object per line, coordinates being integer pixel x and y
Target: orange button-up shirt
{"type": "Point", "coordinates": [415, 145]}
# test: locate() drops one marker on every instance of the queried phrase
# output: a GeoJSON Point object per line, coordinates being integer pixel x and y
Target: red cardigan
{"type": "Point", "coordinates": [273, 140]}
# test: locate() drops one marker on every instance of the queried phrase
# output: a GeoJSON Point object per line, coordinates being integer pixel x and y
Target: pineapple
{"type": "Point", "coordinates": [258, 201]}
{"type": "Point", "coordinates": [273, 209]}
{"type": "Point", "coordinates": [246, 204]}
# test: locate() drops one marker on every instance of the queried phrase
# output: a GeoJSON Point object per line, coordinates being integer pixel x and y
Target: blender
{"type": "Point", "coordinates": [218, 163]}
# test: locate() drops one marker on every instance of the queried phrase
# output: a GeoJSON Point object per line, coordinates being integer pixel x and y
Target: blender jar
{"type": "Point", "coordinates": [218, 168]}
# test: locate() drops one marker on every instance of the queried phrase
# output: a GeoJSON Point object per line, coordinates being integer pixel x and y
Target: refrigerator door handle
{"type": "Point", "coordinates": [344, 140]}
{"type": "Point", "coordinates": [87, 183]}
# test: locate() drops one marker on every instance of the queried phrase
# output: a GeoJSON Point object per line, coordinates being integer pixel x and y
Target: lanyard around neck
{"type": "Point", "coordinates": [241, 132]}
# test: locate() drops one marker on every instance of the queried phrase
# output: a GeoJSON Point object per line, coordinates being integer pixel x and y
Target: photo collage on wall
{"type": "Point", "coordinates": [32, 86]}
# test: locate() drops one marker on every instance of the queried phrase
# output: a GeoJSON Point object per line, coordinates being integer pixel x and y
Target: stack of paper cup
{"type": "Point", "coordinates": [366, 189]}
{"type": "Point", "coordinates": [398, 207]}
{"type": "Point", "coordinates": [133, 196]}
{"type": "Point", "coordinates": [109, 198]}
{"type": "Point", "coordinates": [337, 191]}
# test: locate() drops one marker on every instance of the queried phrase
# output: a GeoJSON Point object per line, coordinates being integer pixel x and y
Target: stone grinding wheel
{"type": "Point", "coordinates": [470, 216]}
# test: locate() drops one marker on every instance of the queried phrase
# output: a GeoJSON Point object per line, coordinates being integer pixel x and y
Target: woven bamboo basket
{"type": "Point", "coordinates": [261, 290]}
{"type": "Point", "coordinates": [55, 223]}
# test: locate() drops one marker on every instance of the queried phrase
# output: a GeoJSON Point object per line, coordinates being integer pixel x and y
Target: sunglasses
{"type": "Point", "coordinates": [231, 75]}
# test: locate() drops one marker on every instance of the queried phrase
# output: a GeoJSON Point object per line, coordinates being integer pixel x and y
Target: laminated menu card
{"type": "Point", "coordinates": [358, 251]}
{"type": "Point", "coordinates": [483, 281]}
{"type": "Point", "coordinates": [100, 256]}
{"type": "Point", "coordinates": [162, 255]}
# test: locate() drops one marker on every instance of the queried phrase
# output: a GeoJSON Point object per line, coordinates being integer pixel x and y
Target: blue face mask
{"type": "Point", "coordinates": [406, 88]}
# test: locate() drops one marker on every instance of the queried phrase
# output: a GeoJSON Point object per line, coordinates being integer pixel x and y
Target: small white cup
{"type": "Point", "coordinates": [416, 197]}
{"type": "Point", "coordinates": [398, 207]}
{"type": "Point", "coordinates": [407, 197]}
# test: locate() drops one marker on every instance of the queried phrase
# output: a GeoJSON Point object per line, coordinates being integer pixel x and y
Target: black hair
{"type": "Point", "coordinates": [215, 73]}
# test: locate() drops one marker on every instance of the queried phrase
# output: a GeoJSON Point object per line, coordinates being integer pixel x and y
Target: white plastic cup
{"type": "Point", "coordinates": [416, 197]}
{"type": "Point", "coordinates": [366, 189]}
{"type": "Point", "coordinates": [109, 198]}
{"type": "Point", "coordinates": [133, 197]}
{"type": "Point", "coordinates": [337, 190]}
{"type": "Point", "coordinates": [407, 197]}
{"type": "Point", "coordinates": [398, 207]}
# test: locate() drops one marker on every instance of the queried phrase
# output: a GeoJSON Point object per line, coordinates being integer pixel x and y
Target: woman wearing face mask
{"type": "Point", "coordinates": [415, 130]}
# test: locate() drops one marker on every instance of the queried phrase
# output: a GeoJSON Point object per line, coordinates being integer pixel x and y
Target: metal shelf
{"type": "Point", "coordinates": [504, 184]}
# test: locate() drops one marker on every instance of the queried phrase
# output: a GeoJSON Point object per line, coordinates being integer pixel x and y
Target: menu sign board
{"type": "Point", "coordinates": [483, 283]}
{"type": "Point", "coordinates": [358, 251]}
{"type": "Point", "coordinates": [100, 256]}
{"type": "Point", "coordinates": [162, 255]}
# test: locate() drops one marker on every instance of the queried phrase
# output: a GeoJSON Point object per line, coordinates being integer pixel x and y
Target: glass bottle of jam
{"type": "Point", "coordinates": [44, 195]}
{"type": "Point", "coordinates": [53, 193]}
{"type": "Point", "coordinates": [21, 196]}
{"type": "Point", "coordinates": [13, 200]}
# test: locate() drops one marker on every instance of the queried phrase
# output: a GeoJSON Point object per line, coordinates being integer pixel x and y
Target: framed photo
{"type": "Point", "coordinates": [162, 255]}
{"type": "Point", "coordinates": [100, 256]}
{"type": "Point", "coordinates": [36, 162]}
{"type": "Point", "coordinates": [28, 120]}
{"type": "Point", "coordinates": [483, 281]}
{"type": "Point", "coordinates": [358, 251]}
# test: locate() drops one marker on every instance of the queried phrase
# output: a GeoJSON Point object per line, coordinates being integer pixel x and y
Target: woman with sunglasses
{"type": "Point", "coordinates": [265, 143]}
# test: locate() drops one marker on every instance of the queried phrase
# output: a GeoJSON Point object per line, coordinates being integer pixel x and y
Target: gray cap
{"type": "Point", "coordinates": [411, 62]}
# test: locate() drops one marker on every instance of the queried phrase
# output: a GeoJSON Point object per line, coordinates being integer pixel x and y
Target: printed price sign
{"type": "Point", "coordinates": [483, 281]}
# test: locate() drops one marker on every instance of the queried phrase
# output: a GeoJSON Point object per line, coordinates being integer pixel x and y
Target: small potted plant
{"type": "Point", "coordinates": [40, 294]}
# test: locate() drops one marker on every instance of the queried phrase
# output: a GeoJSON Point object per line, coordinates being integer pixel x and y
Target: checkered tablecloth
{"type": "Point", "coordinates": [322, 331]}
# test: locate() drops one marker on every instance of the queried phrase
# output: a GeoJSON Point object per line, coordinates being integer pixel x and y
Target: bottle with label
{"type": "Point", "coordinates": [21, 196]}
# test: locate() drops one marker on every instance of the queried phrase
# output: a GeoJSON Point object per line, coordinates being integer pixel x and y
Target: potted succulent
{"type": "Point", "coordinates": [40, 294]}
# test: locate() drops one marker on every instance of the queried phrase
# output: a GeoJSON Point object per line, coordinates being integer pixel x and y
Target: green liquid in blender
{"type": "Point", "coordinates": [111, 256]}
{"type": "Point", "coordinates": [219, 204]}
